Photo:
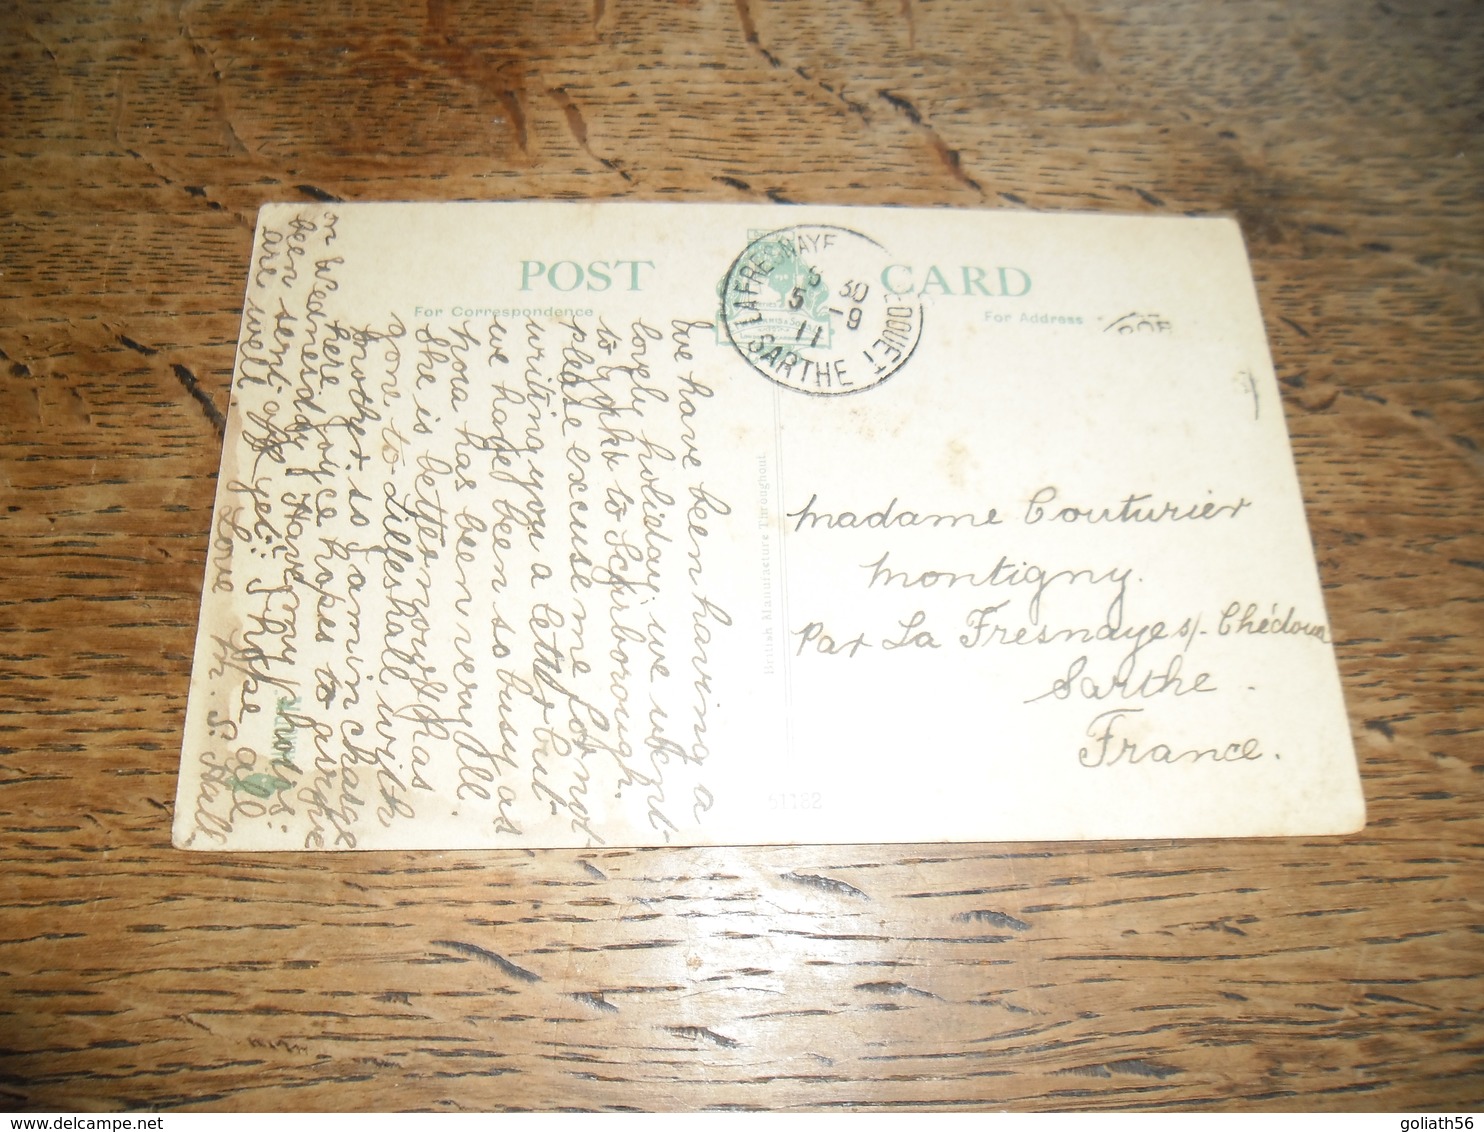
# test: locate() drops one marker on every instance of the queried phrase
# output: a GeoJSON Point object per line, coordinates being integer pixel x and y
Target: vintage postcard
{"type": "Point", "coordinates": [556, 525]}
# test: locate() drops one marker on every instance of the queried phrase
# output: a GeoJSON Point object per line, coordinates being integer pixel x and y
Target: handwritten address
{"type": "Point", "coordinates": [1087, 641]}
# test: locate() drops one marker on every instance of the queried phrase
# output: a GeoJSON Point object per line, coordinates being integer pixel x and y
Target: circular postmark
{"type": "Point", "coordinates": [806, 307]}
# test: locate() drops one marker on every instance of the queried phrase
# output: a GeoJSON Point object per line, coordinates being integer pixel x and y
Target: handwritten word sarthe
{"type": "Point", "coordinates": [1133, 677]}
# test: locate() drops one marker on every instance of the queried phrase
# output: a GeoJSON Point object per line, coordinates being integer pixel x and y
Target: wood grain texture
{"type": "Point", "coordinates": [136, 142]}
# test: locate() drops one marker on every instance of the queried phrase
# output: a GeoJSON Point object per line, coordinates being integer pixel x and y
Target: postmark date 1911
{"type": "Point", "coordinates": [802, 308]}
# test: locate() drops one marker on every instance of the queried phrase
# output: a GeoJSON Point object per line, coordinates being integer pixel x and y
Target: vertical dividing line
{"type": "Point", "coordinates": [781, 582]}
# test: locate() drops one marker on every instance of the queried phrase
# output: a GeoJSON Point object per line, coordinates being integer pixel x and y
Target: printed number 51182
{"type": "Point", "coordinates": [809, 800]}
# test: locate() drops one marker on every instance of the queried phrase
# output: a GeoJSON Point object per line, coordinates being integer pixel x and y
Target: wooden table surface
{"type": "Point", "coordinates": [138, 139]}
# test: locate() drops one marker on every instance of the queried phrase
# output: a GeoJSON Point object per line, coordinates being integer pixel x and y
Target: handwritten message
{"type": "Point", "coordinates": [442, 548]}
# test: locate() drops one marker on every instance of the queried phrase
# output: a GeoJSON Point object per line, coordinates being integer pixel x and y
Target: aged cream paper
{"type": "Point", "coordinates": [549, 525]}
